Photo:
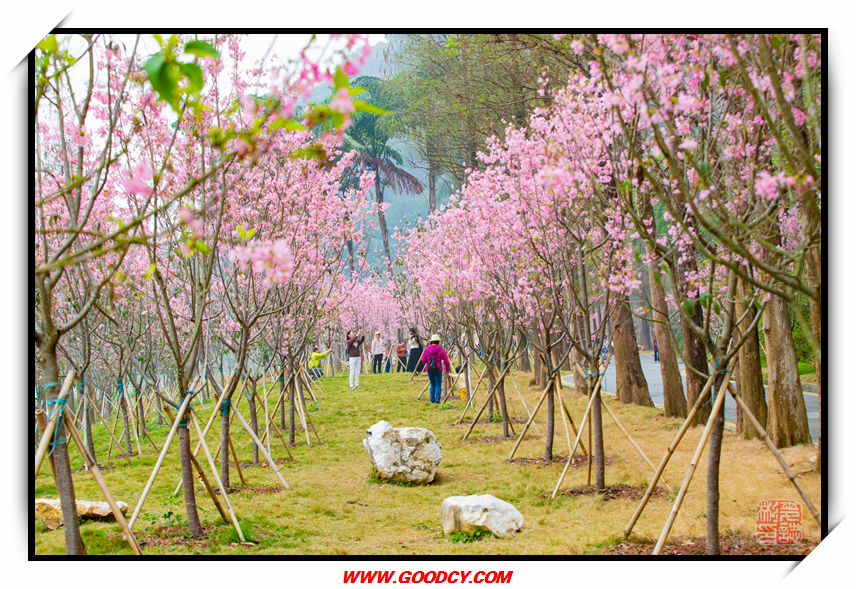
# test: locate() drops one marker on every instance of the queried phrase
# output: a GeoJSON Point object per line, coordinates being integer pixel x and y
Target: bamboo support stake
{"type": "Point", "coordinates": [489, 396]}
{"type": "Point", "coordinates": [113, 436]}
{"type": "Point", "coordinates": [101, 417]}
{"type": "Point", "coordinates": [635, 445]}
{"type": "Point", "coordinates": [237, 462]}
{"type": "Point", "coordinates": [261, 446]}
{"type": "Point", "coordinates": [133, 424]}
{"type": "Point", "coordinates": [166, 445]}
{"type": "Point", "coordinates": [531, 419]}
{"type": "Point", "coordinates": [573, 425]}
{"type": "Point", "coordinates": [522, 400]}
{"type": "Point", "coordinates": [668, 455]}
{"type": "Point", "coordinates": [472, 395]}
{"type": "Point", "coordinates": [209, 489]}
{"type": "Point", "coordinates": [776, 453]}
{"type": "Point", "coordinates": [720, 398]}
{"type": "Point", "coordinates": [102, 484]}
{"type": "Point", "coordinates": [51, 424]}
{"type": "Point", "coordinates": [595, 391]}
{"type": "Point", "coordinates": [213, 467]}
{"type": "Point", "coordinates": [40, 419]}
{"type": "Point", "coordinates": [564, 419]}
{"type": "Point", "coordinates": [422, 392]}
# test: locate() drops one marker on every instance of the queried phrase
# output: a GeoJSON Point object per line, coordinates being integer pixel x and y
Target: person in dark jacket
{"type": "Point", "coordinates": [435, 352]}
{"type": "Point", "coordinates": [415, 345]}
{"type": "Point", "coordinates": [355, 356]}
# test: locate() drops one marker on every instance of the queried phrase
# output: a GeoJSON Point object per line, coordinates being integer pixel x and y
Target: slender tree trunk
{"type": "Point", "coordinates": [87, 416]}
{"type": "Point", "coordinates": [224, 448]}
{"type": "Point", "coordinates": [630, 380]}
{"type": "Point", "coordinates": [432, 193]}
{"type": "Point", "coordinates": [580, 380]}
{"type": "Point", "coordinates": [123, 403]}
{"type": "Point", "coordinates": [381, 216]}
{"type": "Point", "coordinates": [525, 365]}
{"type": "Point", "coordinates": [254, 420]}
{"type": "Point", "coordinates": [695, 356]}
{"type": "Point", "coordinates": [291, 400]}
{"type": "Point", "coordinates": [551, 404]}
{"type": "Point", "coordinates": [597, 427]}
{"type": "Point", "coordinates": [674, 402]}
{"type": "Point", "coordinates": [713, 459]}
{"type": "Point", "coordinates": [751, 380]}
{"type": "Point", "coordinates": [188, 486]}
{"type": "Point", "coordinates": [500, 388]}
{"type": "Point", "coordinates": [646, 325]}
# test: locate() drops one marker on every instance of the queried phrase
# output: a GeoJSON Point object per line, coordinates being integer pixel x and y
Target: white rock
{"type": "Point", "coordinates": [479, 512]}
{"type": "Point", "coordinates": [50, 510]}
{"type": "Point", "coordinates": [410, 454]}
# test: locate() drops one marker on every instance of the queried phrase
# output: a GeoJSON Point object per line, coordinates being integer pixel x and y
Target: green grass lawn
{"type": "Point", "coordinates": [336, 506]}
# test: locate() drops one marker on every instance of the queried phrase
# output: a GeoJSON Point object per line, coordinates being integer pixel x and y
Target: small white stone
{"type": "Point", "coordinates": [479, 512]}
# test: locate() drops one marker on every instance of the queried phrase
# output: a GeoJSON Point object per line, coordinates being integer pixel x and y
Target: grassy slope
{"type": "Point", "coordinates": [322, 513]}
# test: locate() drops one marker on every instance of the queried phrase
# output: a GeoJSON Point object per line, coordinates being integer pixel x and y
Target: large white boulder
{"type": "Point", "coordinates": [50, 510]}
{"type": "Point", "coordinates": [479, 512]}
{"type": "Point", "coordinates": [409, 454]}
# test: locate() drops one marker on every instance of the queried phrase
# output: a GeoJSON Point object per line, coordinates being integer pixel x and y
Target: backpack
{"type": "Point", "coordinates": [432, 367]}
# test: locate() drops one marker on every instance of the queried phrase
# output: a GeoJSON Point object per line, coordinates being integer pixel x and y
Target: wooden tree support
{"type": "Point", "coordinates": [668, 455]}
{"type": "Point", "coordinates": [50, 426]}
{"type": "Point", "coordinates": [102, 485]}
{"type": "Point", "coordinates": [472, 395]}
{"type": "Point", "coordinates": [40, 419]}
{"type": "Point", "coordinates": [720, 399]}
{"type": "Point", "coordinates": [492, 393]}
{"type": "Point", "coordinates": [528, 413]}
{"type": "Point", "coordinates": [775, 451]}
{"type": "Point", "coordinates": [261, 446]}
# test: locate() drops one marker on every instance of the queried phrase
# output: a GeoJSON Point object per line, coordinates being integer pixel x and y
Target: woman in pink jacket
{"type": "Point", "coordinates": [435, 358]}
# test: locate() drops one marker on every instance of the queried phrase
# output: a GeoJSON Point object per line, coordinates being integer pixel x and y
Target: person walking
{"type": "Point", "coordinates": [355, 360]}
{"type": "Point", "coordinates": [377, 353]}
{"type": "Point", "coordinates": [401, 353]}
{"type": "Point", "coordinates": [315, 363]}
{"type": "Point", "coordinates": [415, 343]}
{"type": "Point", "coordinates": [435, 358]}
{"type": "Point", "coordinates": [656, 351]}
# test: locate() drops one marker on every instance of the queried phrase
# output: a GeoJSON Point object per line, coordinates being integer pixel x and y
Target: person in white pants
{"type": "Point", "coordinates": [355, 360]}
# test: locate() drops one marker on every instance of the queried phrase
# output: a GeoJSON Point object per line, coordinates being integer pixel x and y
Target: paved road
{"type": "Point", "coordinates": [655, 388]}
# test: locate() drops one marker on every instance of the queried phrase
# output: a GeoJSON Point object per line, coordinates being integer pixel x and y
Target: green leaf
{"type": "Point", "coordinates": [201, 49]}
{"type": "Point", "coordinates": [48, 44]}
{"type": "Point", "coordinates": [194, 75]}
{"type": "Point", "coordinates": [202, 247]}
{"type": "Point", "coordinates": [361, 106]}
{"type": "Point", "coordinates": [689, 307]}
{"type": "Point", "coordinates": [758, 305]}
{"type": "Point", "coordinates": [158, 38]}
{"type": "Point", "coordinates": [340, 79]}
{"type": "Point", "coordinates": [150, 272]}
{"type": "Point", "coordinates": [705, 82]}
{"type": "Point", "coordinates": [153, 66]}
{"type": "Point", "coordinates": [355, 91]}
{"type": "Point", "coordinates": [716, 308]}
{"type": "Point", "coordinates": [287, 124]}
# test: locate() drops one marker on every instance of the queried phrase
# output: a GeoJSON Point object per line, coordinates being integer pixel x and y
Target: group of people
{"type": "Point", "coordinates": [409, 357]}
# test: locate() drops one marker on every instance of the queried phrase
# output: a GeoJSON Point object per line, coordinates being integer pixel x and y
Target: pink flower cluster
{"type": "Point", "coordinates": [271, 258]}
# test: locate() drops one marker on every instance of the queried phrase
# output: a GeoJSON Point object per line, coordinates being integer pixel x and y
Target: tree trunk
{"type": "Point", "coordinates": [224, 448]}
{"type": "Point", "coordinates": [254, 420]}
{"type": "Point", "coordinates": [713, 459]}
{"type": "Point", "coordinates": [750, 381]}
{"type": "Point", "coordinates": [525, 365]}
{"type": "Point", "coordinates": [500, 388]}
{"type": "Point", "coordinates": [64, 481]}
{"type": "Point", "coordinates": [630, 380]}
{"type": "Point", "coordinates": [291, 401]}
{"type": "Point", "coordinates": [381, 217]}
{"type": "Point", "coordinates": [188, 477]}
{"type": "Point", "coordinates": [580, 379]}
{"type": "Point", "coordinates": [695, 356]}
{"type": "Point", "coordinates": [646, 295]}
{"type": "Point", "coordinates": [87, 425]}
{"type": "Point", "coordinates": [123, 404]}
{"type": "Point", "coordinates": [787, 422]}
{"type": "Point", "coordinates": [599, 460]}
{"type": "Point", "coordinates": [674, 402]}
{"type": "Point", "coordinates": [551, 403]}
{"type": "Point", "coordinates": [432, 192]}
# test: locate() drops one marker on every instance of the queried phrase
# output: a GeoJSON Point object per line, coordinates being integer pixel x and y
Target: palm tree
{"type": "Point", "coordinates": [369, 136]}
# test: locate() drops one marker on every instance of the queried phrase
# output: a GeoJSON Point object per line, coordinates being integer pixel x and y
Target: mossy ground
{"type": "Point", "coordinates": [335, 505]}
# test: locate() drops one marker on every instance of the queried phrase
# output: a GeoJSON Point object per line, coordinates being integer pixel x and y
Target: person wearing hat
{"type": "Point", "coordinates": [377, 353]}
{"type": "Point", "coordinates": [435, 358]}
